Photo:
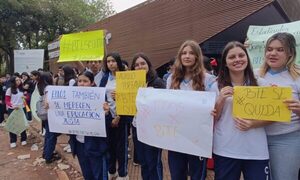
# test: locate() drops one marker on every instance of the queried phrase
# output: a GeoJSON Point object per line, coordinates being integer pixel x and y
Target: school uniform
{"type": "Point", "coordinates": [181, 165]}
{"type": "Point", "coordinates": [11, 101]}
{"type": "Point", "coordinates": [92, 154]}
{"type": "Point", "coordinates": [117, 136]}
{"type": "Point", "coordinates": [237, 151]}
{"type": "Point", "coordinates": [284, 137]}
{"type": "Point", "coordinates": [50, 141]}
{"type": "Point", "coordinates": [149, 156]}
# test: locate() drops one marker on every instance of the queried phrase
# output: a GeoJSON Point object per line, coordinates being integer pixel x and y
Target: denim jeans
{"type": "Point", "coordinates": [284, 152]}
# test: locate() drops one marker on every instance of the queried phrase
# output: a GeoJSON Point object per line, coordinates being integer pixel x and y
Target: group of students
{"type": "Point", "coordinates": [256, 149]}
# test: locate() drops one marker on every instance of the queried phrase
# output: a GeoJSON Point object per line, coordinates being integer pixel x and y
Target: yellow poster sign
{"type": "Point", "coordinates": [127, 85]}
{"type": "Point", "coordinates": [83, 46]}
{"type": "Point", "coordinates": [262, 103]}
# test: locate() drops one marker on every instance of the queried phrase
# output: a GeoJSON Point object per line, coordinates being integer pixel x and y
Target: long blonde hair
{"type": "Point", "coordinates": [289, 43]}
{"type": "Point", "coordinates": [197, 70]}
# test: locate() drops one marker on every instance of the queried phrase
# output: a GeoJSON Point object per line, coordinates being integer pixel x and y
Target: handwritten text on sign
{"type": "Point", "coordinates": [76, 110]}
{"type": "Point", "coordinates": [127, 86]}
{"type": "Point", "coordinates": [258, 36]}
{"type": "Point", "coordinates": [83, 46]}
{"type": "Point", "coordinates": [262, 103]}
{"type": "Point", "coordinates": [176, 120]}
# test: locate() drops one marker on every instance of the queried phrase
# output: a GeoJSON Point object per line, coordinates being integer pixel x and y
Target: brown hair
{"type": "Point", "coordinates": [224, 76]}
{"type": "Point", "coordinates": [197, 70]}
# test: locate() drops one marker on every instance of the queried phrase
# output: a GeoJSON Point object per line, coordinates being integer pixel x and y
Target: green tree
{"type": "Point", "coordinates": [32, 24]}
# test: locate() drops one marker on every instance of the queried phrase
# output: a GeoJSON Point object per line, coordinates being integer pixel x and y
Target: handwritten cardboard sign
{"type": "Point", "coordinates": [16, 122]}
{"type": "Point", "coordinates": [83, 46]}
{"type": "Point", "coordinates": [127, 85]}
{"type": "Point", "coordinates": [258, 36]}
{"type": "Point", "coordinates": [262, 103]}
{"type": "Point", "coordinates": [176, 120]}
{"type": "Point", "coordinates": [76, 110]}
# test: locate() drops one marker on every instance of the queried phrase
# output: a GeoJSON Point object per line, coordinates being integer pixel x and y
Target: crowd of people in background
{"type": "Point", "coordinates": [258, 149]}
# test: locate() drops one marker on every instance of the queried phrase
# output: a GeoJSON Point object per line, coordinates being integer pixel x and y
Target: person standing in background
{"type": "Point", "coordinates": [148, 156]}
{"type": "Point", "coordinates": [14, 100]}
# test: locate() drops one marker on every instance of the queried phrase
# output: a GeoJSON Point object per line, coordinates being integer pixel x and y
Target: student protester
{"type": "Point", "coordinates": [28, 88]}
{"type": "Point", "coordinates": [96, 68]}
{"type": "Point", "coordinates": [69, 80]}
{"type": "Point", "coordinates": [189, 74]}
{"type": "Point", "coordinates": [59, 77]}
{"type": "Point", "coordinates": [14, 100]}
{"type": "Point", "coordinates": [149, 156]}
{"type": "Point", "coordinates": [50, 140]}
{"type": "Point", "coordinates": [169, 70]}
{"type": "Point", "coordinates": [279, 69]}
{"type": "Point", "coordinates": [232, 136]}
{"type": "Point", "coordinates": [69, 76]}
{"type": "Point", "coordinates": [207, 65]}
{"type": "Point", "coordinates": [117, 131]}
{"type": "Point", "coordinates": [91, 151]}
{"type": "Point", "coordinates": [34, 76]}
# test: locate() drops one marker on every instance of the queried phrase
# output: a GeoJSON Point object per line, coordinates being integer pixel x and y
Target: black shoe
{"type": "Point", "coordinates": [54, 158]}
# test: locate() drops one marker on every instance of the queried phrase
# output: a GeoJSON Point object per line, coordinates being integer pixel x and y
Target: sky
{"type": "Point", "coordinates": [121, 5]}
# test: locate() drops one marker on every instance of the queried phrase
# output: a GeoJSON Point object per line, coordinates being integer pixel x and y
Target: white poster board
{"type": "Point", "coordinates": [258, 36]}
{"type": "Point", "coordinates": [176, 120]}
{"type": "Point", "coordinates": [76, 110]}
{"type": "Point", "coordinates": [28, 60]}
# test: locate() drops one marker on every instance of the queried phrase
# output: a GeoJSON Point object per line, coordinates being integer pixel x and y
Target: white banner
{"type": "Point", "coordinates": [176, 120]}
{"type": "Point", "coordinates": [258, 36]}
{"type": "Point", "coordinates": [28, 60]}
{"type": "Point", "coordinates": [76, 110]}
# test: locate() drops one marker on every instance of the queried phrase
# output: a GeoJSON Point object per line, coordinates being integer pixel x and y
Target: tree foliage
{"type": "Point", "coordinates": [31, 24]}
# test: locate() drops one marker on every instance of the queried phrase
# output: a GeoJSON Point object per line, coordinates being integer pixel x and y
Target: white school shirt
{"type": "Point", "coordinates": [97, 77]}
{"type": "Point", "coordinates": [228, 141]}
{"type": "Point", "coordinates": [110, 86]}
{"type": "Point", "coordinates": [15, 99]}
{"type": "Point", "coordinates": [187, 85]}
{"type": "Point", "coordinates": [284, 79]}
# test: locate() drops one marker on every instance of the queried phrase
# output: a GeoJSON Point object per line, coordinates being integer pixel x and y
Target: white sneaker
{"type": "Point", "coordinates": [23, 143]}
{"type": "Point", "coordinates": [112, 176]}
{"type": "Point", "coordinates": [13, 145]}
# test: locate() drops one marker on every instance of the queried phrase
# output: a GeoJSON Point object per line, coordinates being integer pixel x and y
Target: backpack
{"type": "Point", "coordinates": [41, 110]}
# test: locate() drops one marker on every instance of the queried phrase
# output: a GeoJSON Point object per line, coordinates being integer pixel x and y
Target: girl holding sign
{"type": "Point", "coordinates": [91, 151]}
{"type": "Point", "coordinates": [149, 156]}
{"type": "Point", "coordinates": [189, 74]}
{"type": "Point", "coordinates": [14, 100]}
{"type": "Point", "coordinates": [279, 69]}
{"type": "Point", "coordinates": [237, 148]}
{"type": "Point", "coordinates": [117, 132]}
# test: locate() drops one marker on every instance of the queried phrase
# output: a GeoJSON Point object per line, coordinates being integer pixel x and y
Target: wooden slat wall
{"type": "Point", "coordinates": [158, 27]}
